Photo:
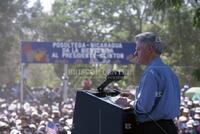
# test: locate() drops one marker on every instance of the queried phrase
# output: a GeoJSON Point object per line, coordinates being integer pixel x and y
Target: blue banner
{"type": "Point", "coordinates": [77, 52]}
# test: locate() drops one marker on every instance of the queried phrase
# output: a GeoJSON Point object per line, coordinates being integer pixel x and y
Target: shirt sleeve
{"type": "Point", "coordinates": [147, 93]}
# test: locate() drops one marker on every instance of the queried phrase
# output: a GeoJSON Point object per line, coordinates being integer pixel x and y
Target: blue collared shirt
{"type": "Point", "coordinates": [158, 94]}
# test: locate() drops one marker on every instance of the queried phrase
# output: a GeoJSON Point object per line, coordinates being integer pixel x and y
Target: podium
{"type": "Point", "coordinates": [97, 114]}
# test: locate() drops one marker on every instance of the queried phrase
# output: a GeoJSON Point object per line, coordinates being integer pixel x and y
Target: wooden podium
{"type": "Point", "coordinates": [97, 114]}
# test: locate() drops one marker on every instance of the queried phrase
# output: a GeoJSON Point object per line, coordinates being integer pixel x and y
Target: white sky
{"type": "Point", "coordinates": [45, 3]}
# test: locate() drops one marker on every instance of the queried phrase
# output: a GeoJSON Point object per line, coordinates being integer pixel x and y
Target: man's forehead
{"type": "Point", "coordinates": [139, 45]}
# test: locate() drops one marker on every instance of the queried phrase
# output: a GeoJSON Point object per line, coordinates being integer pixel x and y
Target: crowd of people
{"type": "Point", "coordinates": [43, 110]}
{"type": "Point", "coordinates": [189, 120]}
{"type": "Point", "coordinates": [44, 105]}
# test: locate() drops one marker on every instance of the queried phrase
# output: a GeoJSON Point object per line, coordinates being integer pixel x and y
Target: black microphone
{"type": "Point", "coordinates": [112, 76]}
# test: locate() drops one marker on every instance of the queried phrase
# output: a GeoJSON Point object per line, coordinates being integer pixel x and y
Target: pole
{"type": "Point", "coordinates": [65, 83]}
{"type": "Point", "coordinates": [22, 84]}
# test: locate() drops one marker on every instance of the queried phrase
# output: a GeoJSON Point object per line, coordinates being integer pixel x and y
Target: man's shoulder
{"type": "Point", "coordinates": [158, 71]}
{"type": "Point", "coordinates": [156, 68]}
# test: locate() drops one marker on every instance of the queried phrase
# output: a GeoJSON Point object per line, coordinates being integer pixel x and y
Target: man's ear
{"type": "Point", "coordinates": [151, 49]}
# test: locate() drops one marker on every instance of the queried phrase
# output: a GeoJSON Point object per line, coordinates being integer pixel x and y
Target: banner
{"type": "Point", "coordinates": [77, 52]}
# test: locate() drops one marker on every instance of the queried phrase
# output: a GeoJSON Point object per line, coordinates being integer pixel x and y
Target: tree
{"type": "Point", "coordinates": [192, 8]}
{"type": "Point", "coordinates": [99, 20]}
{"type": "Point", "coordinates": [177, 4]}
{"type": "Point", "coordinates": [108, 20]}
{"type": "Point", "coordinates": [33, 25]}
{"type": "Point", "coordinates": [9, 30]}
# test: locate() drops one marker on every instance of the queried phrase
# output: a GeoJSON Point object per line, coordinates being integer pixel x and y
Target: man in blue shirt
{"type": "Point", "coordinates": [158, 95]}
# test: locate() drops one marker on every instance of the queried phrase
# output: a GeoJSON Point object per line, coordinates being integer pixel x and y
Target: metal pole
{"type": "Point", "coordinates": [22, 84]}
{"type": "Point", "coordinates": [65, 83]}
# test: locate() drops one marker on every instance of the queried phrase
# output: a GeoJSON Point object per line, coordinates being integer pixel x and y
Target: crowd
{"type": "Point", "coordinates": [189, 120]}
{"type": "Point", "coordinates": [43, 110]}
{"type": "Point", "coordinates": [43, 106]}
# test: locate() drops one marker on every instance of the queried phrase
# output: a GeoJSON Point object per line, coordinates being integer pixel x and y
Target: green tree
{"type": "Point", "coordinates": [9, 30]}
{"type": "Point", "coordinates": [177, 4]}
{"type": "Point", "coordinates": [33, 24]}
{"type": "Point", "coordinates": [107, 20]}
{"type": "Point", "coordinates": [185, 34]}
{"type": "Point", "coordinates": [99, 20]}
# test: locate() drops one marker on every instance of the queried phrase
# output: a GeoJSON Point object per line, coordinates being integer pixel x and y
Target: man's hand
{"type": "Point", "coordinates": [123, 101]}
{"type": "Point", "coordinates": [128, 95]}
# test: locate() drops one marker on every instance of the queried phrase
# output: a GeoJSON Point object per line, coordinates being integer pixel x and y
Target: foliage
{"type": "Point", "coordinates": [42, 75]}
{"type": "Point", "coordinates": [197, 18]}
{"type": "Point", "coordinates": [164, 4]}
{"type": "Point", "coordinates": [10, 11]}
{"type": "Point", "coordinates": [98, 20]}
{"type": "Point", "coordinates": [189, 43]}
{"type": "Point", "coordinates": [177, 4]}
{"type": "Point", "coordinates": [196, 73]}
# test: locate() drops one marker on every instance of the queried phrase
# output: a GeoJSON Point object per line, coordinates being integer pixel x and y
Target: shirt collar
{"type": "Point", "coordinates": [155, 62]}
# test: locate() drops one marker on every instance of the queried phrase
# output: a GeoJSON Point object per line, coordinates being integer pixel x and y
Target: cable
{"type": "Point", "coordinates": [158, 125]}
{"type": "Point", "coordinates": [153, 120]}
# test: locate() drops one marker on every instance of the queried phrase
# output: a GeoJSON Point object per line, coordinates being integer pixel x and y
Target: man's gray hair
{"type": "Point", "coordinates": [150, 38]}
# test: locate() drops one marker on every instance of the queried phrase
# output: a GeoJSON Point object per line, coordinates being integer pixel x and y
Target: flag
{"type": "Point", "coordinates": [51, 128]}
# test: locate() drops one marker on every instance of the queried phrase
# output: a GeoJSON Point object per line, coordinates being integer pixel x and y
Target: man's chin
{"type": "Point", "coordinates": [137, 62]}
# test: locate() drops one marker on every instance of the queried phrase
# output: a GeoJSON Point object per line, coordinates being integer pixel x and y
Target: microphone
{"type": "Point", "coordinates": [112, 76]}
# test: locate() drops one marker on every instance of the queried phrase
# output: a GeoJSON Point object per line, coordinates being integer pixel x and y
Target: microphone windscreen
{"type": "Point", "coordinates": [115, 76]}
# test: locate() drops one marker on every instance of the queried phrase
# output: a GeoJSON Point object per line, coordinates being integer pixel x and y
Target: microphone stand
{"type": "Point", "coordinates": [112, 76]}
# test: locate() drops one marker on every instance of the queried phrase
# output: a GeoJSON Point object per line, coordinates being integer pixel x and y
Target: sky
{"type": "Point", "coordinates": [45, 3]}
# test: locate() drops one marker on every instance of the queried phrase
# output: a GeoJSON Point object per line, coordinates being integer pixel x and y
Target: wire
{"type": "Point", "coordinates": [158, 125]}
